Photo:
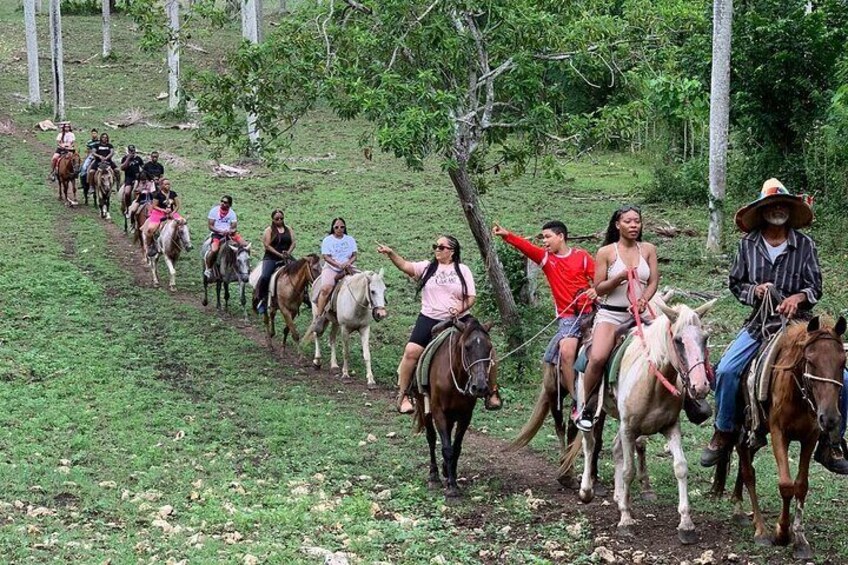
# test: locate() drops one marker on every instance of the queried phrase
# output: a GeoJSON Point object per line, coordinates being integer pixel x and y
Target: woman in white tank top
{"type": "Point", "coordinates": [622, 252]}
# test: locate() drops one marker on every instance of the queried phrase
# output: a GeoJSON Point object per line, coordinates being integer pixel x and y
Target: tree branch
{"type": "Point", "coordinates": [359, 7]}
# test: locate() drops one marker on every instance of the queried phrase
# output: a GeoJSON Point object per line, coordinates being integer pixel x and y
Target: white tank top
{"type": "Point", "coordinates": [618, 297]}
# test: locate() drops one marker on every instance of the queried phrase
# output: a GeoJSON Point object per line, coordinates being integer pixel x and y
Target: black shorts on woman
{"type": "Point", "coordinates": [422, 332]}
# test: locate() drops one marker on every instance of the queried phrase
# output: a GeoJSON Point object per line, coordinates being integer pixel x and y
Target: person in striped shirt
{"type": "Point", "coordinates": [773, 259]}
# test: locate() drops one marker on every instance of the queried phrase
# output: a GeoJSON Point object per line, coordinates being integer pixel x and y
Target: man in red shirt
{"type": "Point", "coordinates": [569, 271]}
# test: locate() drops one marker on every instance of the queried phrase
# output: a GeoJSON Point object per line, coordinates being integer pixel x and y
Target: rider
{"type": "Point", "coordinates": [65, 141]}
{"type": "Point", "coordinates": [222, 223]}
{"type": "Point", "coordinates": [569, 271]}
{"type": "Point", "coordinates": [626, 278]}
{"type": "Point", "coordinates": [131, 164]}
{"type": "Point", "coordinates": [772, 257]}
{"type": "Point", "coordinates": [447, 291]}
{"type": "Point", "coordinates": [164, 206]}
{"type": "Point", "coordinates": [143, 192]}
{"type": "Point", "coordinates": [89, 153]}
{"type": "Point", "coordinates": [339, 252]}
{"type": "Point", "coordinates": [103, 153]}
{"type": "Point", "coordinates": [154, 168]}
{"type": "Point", "coordinates": [278, 240]}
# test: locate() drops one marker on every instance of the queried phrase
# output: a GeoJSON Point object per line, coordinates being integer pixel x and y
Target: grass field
{"type": "Point", "coordinates": [138, 427]}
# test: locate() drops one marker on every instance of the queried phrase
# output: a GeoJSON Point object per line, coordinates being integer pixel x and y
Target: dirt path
{"type": "Point", "coordinates": [484, 457]}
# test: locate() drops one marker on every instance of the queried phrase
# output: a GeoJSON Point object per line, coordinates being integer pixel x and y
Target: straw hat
{"type": "Point", "coordinates": [749, 218]}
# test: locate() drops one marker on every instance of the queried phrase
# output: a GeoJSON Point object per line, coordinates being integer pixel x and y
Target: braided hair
{"type": "Point", "coordinates": [613, 234]}
{"type": "Point", "coordinates": [434, 265]}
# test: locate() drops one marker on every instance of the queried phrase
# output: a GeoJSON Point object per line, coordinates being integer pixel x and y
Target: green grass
{"type": "Point", "coordinates": [106, 375]}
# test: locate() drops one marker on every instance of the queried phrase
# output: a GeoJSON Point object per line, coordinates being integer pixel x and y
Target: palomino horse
{"type": "Point", "coordinates": [359, 298]}
{"type": "Point", "coordinates": [232, 265]}
{"type": "Point", "coordinates": [804, 403]}
{"type": "Point", "coordinates": [659, 366]}
{"type": "Point", "coordinates": [66, 175]}
{"type": "Point", "coordinates": [174, 238]}
{"type": "Point", "coordinates": [459, 374]}
{"type": "Point", "coordinates": [104, 180]}
{"type": "Point", "coordinates": [289, 283]}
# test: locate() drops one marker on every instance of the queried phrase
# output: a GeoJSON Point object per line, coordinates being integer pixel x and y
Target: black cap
{"type": "Point", "coordinates": [130, 147]}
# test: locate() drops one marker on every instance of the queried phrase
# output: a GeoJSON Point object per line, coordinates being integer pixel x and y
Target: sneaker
{"type": "Point", "coordinates": [719, 446]}
{"type": "Point", "coordinates": [152, 251]}
{"type": "Point", "coordinates": [697, 411]}
{"type": "Point", "coordinates": [261, 308]}
{"type": "Point", "coordinates": [494, 402]}
{"type": "Point", "coordinates": [52, 177]}
{"type": "Point", "coordinates": [586, 420]}
{"type": "Point", "coordinates": [831, 457]}
{"type": "Point", "coordinates": [207, 273]}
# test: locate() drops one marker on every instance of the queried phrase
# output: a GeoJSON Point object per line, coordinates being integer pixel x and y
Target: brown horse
{"type": "Point", "coordinates": [459, 375]}
{"type": "Point", "coordinates": [804, 403]}
{"type": "Point", "coordinates": [104, 180]}
{"type": "Point", "coordinates": [126, 197]}
{"type": "Point", "coordinates": [291, 281]}
{"type": "Point", "coordinates": [67, 170]}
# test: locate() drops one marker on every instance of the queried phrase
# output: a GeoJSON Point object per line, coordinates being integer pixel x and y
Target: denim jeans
{"type": "Point", "coordinates": [729, 372]}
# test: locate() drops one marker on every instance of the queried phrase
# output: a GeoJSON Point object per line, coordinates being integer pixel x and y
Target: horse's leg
{"type": "Point", "coordinates": [218, 295]}
{"type": "Point", "coordinates": [73, 183]}
{"type": "Point", "coordinates": [625, 462]}
{"type": "Point", "coordinates": [598, 431]}
{"type": "Point", "coordinates": [364, 338]}
{"type": "Point", "coordinates": [565, 436]}
{"type": "Point", "coordinates": [268, 322]}
{"type": "Point", "coordinates": [154, 269]}
{"type": "Point", "coordinates": [445, 428]}
{"type": "Point", "coordinates": [587, 490]}
{"type": "Point", "coordinates": [461, 427]}
{"type": "Point", "coordinates": [289, 325]}
{"type": "Point", "coordinates": [641, 445]}
{"type": "Point", "coordinates": [433, 481]}
{"type": "Point", "coordinates": [172, 285]}
{"type": "Point", "coordinates": [226, 296]}
{"type": "Point", "coordinates": [243, 299]}
{"type": "Point", "coordinates": [345, 352]}
{"type": "Point", "coordinates": [334, 362]}
{"type": "Point", "coordinates": [686, 532]}
{"type": "Point", "coordinates": [780, 446]}
{"type": "Point", "coordinates": [739, 515]}
{"type": "Point", "coordinates": [316, 359]}
{"type": "Point", "coordinates": [801, 547]}
{"type": "Point", "coordinates": [749, 476]}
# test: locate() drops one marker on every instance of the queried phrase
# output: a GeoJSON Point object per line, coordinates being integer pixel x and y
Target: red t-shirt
{"type": "Point", "coordinates": [567, 275]}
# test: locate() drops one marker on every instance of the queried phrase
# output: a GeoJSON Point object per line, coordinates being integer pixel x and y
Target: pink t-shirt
{"type": "Point", "coordinates": [443, 291]}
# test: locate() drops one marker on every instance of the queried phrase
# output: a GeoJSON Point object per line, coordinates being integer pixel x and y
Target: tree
{"type": "Point", "coordinates": [56, 57]}
{"type": "Point", "coordinates": [477, 85]}
{"type": "Point", "coordinates": [32, 51]}
{"type": "Point", "coordinates": [107, 28]}
{"type": "Point", "coordinates": [172, 8]}
{"type": "Point", "coordinates": [719, 118]}
{"type": "Point", "coordinates": [250, 32]}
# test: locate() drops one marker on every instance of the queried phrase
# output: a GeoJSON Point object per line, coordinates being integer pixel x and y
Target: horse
{"type": "Point", "coordinates": [174, 237]}
{"type": "Point", "coordinates": [290, 281]}
{"type": "Point", "coordinates": [358, 298]}
{"type": "Point", "coordinates": [125, 196]}
{"type": "Point", "coordinates": [141, 216]}
{"type": "Point", "coordinates": [232, 265]}
{"type": "Point", "coordinates": [67, 170]}
{"type": "Point", "coordinates": [104, 179]}
{"type": "Point", "coordinates": [458, 375]}
{"type": "Point", "coordinates": [804, 403]}
{"type": "Point", "coordinates": [663, 362]}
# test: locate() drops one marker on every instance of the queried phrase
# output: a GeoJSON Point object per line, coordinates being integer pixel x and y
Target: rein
{"type": "Point", "coordinates": [803, 384]}
{"type": "Point", "coordinates": [465, 367]}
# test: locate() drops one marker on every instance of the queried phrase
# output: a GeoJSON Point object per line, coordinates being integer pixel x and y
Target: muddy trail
{"type": "Point", "coordinates": [483, 459]}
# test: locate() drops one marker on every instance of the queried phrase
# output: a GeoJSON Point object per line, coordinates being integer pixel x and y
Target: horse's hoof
{"type": "Point", "coordinates": [172, 288]}
{"type": "Point", "coordinates": [763, 541]}
{"type": "Point", "coordinates": [802, 551]}
{"type": "Point", "coordinates": [649, 496]}
{"type": "Point", "coordinates": [625, 531]}
{"type": "Point", "coordinates": [204, 302]}
{"type": "Point", "coordinates": [434, 483]}
{"type": "Point", "coordinates": [316, 364]}
{"type": "Point", "coordinates": [569, 482]}
{"type": "Point", "coordinates": [371, 386]}
{"type": "Point", "coordinates": [452, 494]}
{"type": "Point", "coordinates": [586, 496]}
{"type": "Point", "coordinates": [687, 537]}
{"type": "Point", "coordinates": [155, 285]}
{"type": "Point", "coordinates": [600, 490]}
{"type": "Point", "coordinates": [335, 370]}
{"type": "Point", "coordinates": [741, 519]}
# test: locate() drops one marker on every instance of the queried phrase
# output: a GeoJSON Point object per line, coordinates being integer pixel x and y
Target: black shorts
{"type": "Point", "coordinates": [422, 333]}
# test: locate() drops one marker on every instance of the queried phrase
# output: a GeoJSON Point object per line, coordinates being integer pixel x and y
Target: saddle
{"type": "Point", "coordinates": [758, 385]}
{"type": "Point", "coordinates": [441, 333]}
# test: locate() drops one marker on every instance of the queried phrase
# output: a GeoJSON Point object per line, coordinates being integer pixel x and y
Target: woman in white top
{"type": "Point", "coordinates": [623, 257]}
{"type": "Point", "coordinates": [65, 141]}
{"type": "Point", "coordinates": [339, 252]}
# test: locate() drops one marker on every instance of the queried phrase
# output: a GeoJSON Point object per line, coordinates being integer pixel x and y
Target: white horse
{"type": "Point", "coordinates": [360, 298]}
{"type": "Point", "coordinates": [656, 371]}
{"type": "Point", "coordinates": [174, 238]}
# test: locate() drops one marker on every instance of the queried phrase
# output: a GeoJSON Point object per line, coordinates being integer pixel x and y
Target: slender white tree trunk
{"type": "Point", "coordinates": [719, 117]}
{"type": "Point", "coordinates": [283, 8]}
{"type": "Point", "coordinates": [107, 29]}
{"type": "Point", "coordinates": [39, 8]}
{"type": "Point", "coordinates": [172, 8]}
{"type": "Point", "coordinates": [57, 55]}
{"type": "Point", "coordinates": [250, 31]}
{"type": "Point", "coordinates": [32, 52]}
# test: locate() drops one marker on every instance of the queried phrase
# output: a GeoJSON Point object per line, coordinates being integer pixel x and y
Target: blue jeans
{"type": "Point", "coordinates": [85, 165]}
{"type": "Point", "coordinates": [729, 372]}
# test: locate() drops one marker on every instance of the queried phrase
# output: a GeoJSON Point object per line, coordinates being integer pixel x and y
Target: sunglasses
{"type": "Point", "coordinates": [437, 247]}
{"type": "Point", "coordinates": [338, 227]}
{"type": "Point", "coordinates": [629, 208]}
{"type": "Point", "coordinates": [278, 218]}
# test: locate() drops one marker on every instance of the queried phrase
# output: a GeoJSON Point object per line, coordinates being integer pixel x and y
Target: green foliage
{"type": "Point", "coordinates": [685, 182]}
{"type": "Point", "coordinates": [81, 7]}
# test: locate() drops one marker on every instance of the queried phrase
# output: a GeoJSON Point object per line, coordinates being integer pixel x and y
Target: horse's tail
{"type": "Point", "coordinates": [537, 418]}
{"type": "Point", "coordinates": [572, 454]}
{"type": "Point", "coordinates": [418, 418]}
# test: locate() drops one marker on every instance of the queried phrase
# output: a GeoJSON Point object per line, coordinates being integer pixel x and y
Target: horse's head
{"type": "Point", "coordinates": [823, 363]}
{"type": "Point", "coordinates": [476, 355]}
{"type": "Point", "coordinates": [314, 263]}
{"type": "Point", "coordinates": [377, 295]}
{"type": "Point", "coordinates": [76, 161]}
{"type": "Point", "coordinates": [184, 235]}
{"type": "Point", "coordinates": [689, 346]}
{"type": "Point", "coordinates": [242, 253]}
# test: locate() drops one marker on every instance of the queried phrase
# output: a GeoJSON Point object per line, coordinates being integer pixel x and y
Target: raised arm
{"type": "Point", "coordinates": [532, 252]}
{"type": "Point", "coordinates": [402, 264]}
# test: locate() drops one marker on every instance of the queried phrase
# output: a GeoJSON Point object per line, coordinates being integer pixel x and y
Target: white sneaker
{"type": "Point", "coordinates": [207, 273]}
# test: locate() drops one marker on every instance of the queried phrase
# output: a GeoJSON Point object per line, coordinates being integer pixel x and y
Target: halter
{"type": "Point", "coordinates": [368, 305]}
{"type": "Point", "coordinates": [465, 367]}
{"type": "Point", "coordinates": [804, 385]}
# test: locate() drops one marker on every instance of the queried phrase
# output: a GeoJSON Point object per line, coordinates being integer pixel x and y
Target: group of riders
{"type": "Point", "coordinates": [776, 272]}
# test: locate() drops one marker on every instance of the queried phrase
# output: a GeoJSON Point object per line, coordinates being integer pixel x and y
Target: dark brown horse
{"type": "Point", "coordinates": [291, 282]}
{"type": "Point", "coordinates": [459, 375]}
{"type": "Point", "coordinates": [804, 403]}
{"type": "Point", "coordinates": [104, 180]}
{"type": "Point", "coordinates": [66, 176]}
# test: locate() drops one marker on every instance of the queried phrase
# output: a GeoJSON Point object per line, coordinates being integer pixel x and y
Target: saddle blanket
{"type": "Point", "coordinates": [422, 370]}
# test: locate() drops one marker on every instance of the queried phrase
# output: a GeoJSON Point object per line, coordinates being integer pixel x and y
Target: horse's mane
{"type": "Point", "coordinates": [294, 266]}
{"type": "Point", "coordinates": [795, 340]}
{"type": "Point", "coordinates": [655, 334]}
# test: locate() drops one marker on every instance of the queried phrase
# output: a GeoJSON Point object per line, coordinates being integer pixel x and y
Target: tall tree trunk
{"type": "Point", "coordinates": [39, 7]}
{"type": "Point", "coordinates": [56, 56]}
{"type": "Point", "coordinates": [250, 31]}
{"type": "Point", "coordinates": [172, 7]}
{"type": "Point", "coordinates": [107, 28]}
{"type": "Point", "coordinates": [467, 192]}
{"type": "Point", "coordinates": [719, 117]}
{"type": "Point", "coordinates": [32, 52]}
{"type": "Point", "coordinates": [282, 7]}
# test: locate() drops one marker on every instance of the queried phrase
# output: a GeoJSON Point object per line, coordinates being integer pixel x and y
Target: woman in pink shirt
{"type": "Point", "coordinates": [447, 291]}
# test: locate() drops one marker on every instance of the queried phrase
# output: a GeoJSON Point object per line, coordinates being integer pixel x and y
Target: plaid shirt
{"type": "Point", "coordinates": [795, 270]}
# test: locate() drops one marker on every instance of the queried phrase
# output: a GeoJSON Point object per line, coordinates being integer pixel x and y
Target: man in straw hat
{"type": "Point", "coordinates": [775, 265]}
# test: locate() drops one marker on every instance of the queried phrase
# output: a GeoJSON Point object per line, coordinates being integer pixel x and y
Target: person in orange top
{"type": "Point", "coordinates": [569, 271]}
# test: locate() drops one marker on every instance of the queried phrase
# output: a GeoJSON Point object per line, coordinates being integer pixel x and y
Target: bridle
{"type": "Point", "coordinates": [466, 368]}
{"type": "Point", "coordinates": [679, 364]}
{"type": "Point", "coordinates": [368, 304]}
{"type": "Point", "coordinates": [804, 384]}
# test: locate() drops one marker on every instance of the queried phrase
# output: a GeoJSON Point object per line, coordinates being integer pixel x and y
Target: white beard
{"type": "Point", "coordinates": [776, 218]}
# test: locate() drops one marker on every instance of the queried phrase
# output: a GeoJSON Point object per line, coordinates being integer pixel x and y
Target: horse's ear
{"type": "Point", "coordinates": [840, 326]}
{"type": "Point", "coordinates": [247, 246]}
{"type": "Point", "coordinates": [702, 310]}
{"type": "Point", "coordinates": [488, 326]}
{"type": "Point", "coordinates": [460, 325]}
{"type": "Point", "coordinates": [671, 313]}
{"type": "Point", "coordinates": [381, 272]}
{"type": "Point", "coordinates": [233, 246]}
{"type": "Point", "coordinates": [813, 325]}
